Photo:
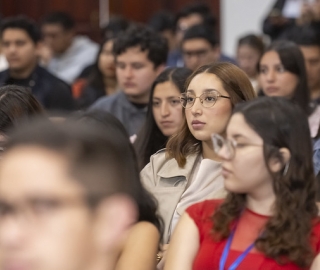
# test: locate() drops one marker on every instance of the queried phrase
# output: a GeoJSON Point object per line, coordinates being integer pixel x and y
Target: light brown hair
{"type": "Point", "coordinates": [239, 88]}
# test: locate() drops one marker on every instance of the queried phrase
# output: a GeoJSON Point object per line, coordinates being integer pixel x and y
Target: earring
{"type": "Point", "coordinates": [286, 168]}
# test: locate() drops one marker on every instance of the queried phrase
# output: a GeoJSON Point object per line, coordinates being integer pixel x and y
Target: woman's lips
{"type": "Point", "coordinates": [225, 172]}
{"type": "Point", "coordinates": [272, 89]}
{"type": "Point", "coordinates": [196, 124]}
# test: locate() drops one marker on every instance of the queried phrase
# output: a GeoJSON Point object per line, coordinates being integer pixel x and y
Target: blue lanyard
{"type": "Point", "coordinates": [225, 254]}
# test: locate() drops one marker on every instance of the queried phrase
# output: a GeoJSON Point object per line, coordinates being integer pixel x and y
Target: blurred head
{"type": "Point", "coordinates": [115, 27]}
{"type": "Point", "coordinates": [20, 43]}
{"type": "Point", "coordinates": [16, 104]}
{"type": "Point", "coordinates": [164, 115]}
{"type": "Point", "coordinates": [163, 22]}
{"type": "Point", "coordinates": [191, 15]}
{"type": "Point", "coordinates": [105, 59]}
{"type": "Point", "coordinates": [250, 48]}
{"type": "Point", "coordinates": [213, 91]}
{"type": "Point", "coordinates": [58, 31]}
{"type": "Point", "coordinates": [165, 99]}
{"type": "Point", "coordinates": [140, 57]}
{"type": "Point", "coordinates": [74, 219]}
{"type": "Point", "coordinates": [199, 47]}
{"type": "Point", "coordinates": [271, 136]}
{"type": "Point", "coordinates": [308, 41]}
{"type": "Point", "coordinates": [283, 73]}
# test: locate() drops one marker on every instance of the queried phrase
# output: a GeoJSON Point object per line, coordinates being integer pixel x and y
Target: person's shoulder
{"type": "Point", "coordinates": [106, 102]}
{"type": "Point", "coordinates": [205, 208]}
{"type": "Point", "coordinates": [4, 74]}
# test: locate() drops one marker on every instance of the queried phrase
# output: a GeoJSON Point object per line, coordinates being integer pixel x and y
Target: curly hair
{"type": "Point", "coordinates": [238, 86]}
{"type": "Point", "coordinates": [286, 238]}
{"type": "Point", "coordinates": [148, 40]}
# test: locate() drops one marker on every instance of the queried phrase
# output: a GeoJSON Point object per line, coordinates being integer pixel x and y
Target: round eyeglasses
{"type": "Point", "coordinates": [225, 147]}
{"type": "Point", "coordinates": [207, 99]}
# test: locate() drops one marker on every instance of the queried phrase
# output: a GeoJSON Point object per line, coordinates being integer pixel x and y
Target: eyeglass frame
{"type": "Point", "coordinates": [229, 143]}
{"type": "Point", "coordinates": [182, 98]}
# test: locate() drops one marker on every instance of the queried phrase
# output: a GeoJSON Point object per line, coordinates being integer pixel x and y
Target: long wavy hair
{"type": "Point", "coordinates": [239, 88]}
{"type": "Point", "coordinates": [150, 138]}
{"type": "Point", "coordinates": [286, 237]}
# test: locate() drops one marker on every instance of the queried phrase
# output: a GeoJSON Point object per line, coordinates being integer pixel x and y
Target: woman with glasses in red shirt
{"type": "Point", "coordinates": [269, 218]}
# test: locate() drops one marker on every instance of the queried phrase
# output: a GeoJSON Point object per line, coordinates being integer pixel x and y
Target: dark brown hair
{"type": "Point", "coordinates": [238, 86]}
{"type": "Point", "coordinates": [287, 234]}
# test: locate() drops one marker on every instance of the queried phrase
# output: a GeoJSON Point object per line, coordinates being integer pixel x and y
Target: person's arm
{"type": "Point", "coordinates": [140, 248]}
{"type": "Point", "coordinates": [316, 263]}
{"type": "Point", "coordinates": [184, 245]}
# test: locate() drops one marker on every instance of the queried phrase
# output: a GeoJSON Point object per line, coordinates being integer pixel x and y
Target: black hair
{"type": "Point", "coordinates": [115, 26]}
{"type": "Point", "coordinates": [201, 31]}
{"type": "Point", "coordinates": [253, 41]}
{"type": "Point", "coordinates": [147, 205]}
{"type": "Point", "coordinates": [162, 21]}
{"type": "Point", "coordinates": [199, 8]}
{"type": "Point", "coordinates": [21, 23]}
{"type": "Point", "coordinates": [292, 60]}
{"type": "Point", "coordinates": [303, 35]}
{"type": "Point", "coordinates": [147, 40]}
{"type": "Point", "coordinates": [16, 104]}
{"type": "Point", "coordinates": [59, 17]}
{"type": "Point", "coordinates": [94, 81]}
{"type": "Point", "coordinates": [150, 139]}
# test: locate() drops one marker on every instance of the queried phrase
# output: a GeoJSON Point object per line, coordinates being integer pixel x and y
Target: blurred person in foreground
{"type": "Point", "coordinates": [65, 201]}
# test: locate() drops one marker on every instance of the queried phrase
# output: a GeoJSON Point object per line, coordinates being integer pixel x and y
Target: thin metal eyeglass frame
{"type": "Point", "coordinates": [182, 98]}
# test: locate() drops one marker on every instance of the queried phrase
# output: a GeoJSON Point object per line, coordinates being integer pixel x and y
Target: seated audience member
{"type": "Point", "coordinates": [308, 40]}
{"type": "Point", "coordinates": [101, 80]}
{"type": "Point", "coordinates": [269, 218]}
{"type": "Point", "coordinates": [283, 73]}
{"type": "Point", "coordinates": [163, 22]}
{"type": "Point", "coordinates": [140, 56]}
{"type": "Point", "coordinates": [188, 171]}
{"type": "Point", "coordinates": [75, 219]}
{"type": "Point", "coordinates": [70, 53]}
{"type": "Point", "coordinates": [249, 51]}
{"type": "Point", "coordinates": [139, 247]}
{"type": "Point", "coordinates": [16, 104]}
{"type": "Point", "coordinates": [164, 115]}
{"type": "Point", "coordinates": [199, 47]}
{"type": "Point", "coordinates": [20, 44]}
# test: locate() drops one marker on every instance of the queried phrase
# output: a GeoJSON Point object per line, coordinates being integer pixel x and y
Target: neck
{"type": "Point", "coordinates": [108, 262]}
{"type": "Point", "coordinates": [141, 99]}
{"type": "Point", "coordinates": [207, 151]}
{"type": "Point", "coordinates": [23, 73]}
{"type": "Point", "coordinates": [111, 85]}
{"type": "Point", "coordinates": [262, 202]}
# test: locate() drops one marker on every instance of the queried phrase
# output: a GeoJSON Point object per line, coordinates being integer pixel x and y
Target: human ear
{"type": "Point", "coordinates": [281, 162]}
{"type": "Point", "coordinates": [114, 217]}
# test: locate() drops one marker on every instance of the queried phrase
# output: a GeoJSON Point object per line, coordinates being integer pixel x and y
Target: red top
{"type": "Point", "coordinates": [248, 229]}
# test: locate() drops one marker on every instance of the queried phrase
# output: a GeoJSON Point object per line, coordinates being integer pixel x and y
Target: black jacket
{"type": "Point", "coordinates": [51, 92]}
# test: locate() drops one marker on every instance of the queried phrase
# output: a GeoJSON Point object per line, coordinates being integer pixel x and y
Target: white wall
{"type": "Point", "coordinates": [240, 17]}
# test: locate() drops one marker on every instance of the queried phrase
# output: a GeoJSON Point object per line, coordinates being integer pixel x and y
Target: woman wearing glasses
{"type": "Point", "coordinates": [189, 171]}
{"type": "Point", "coordinates": [269, 218]}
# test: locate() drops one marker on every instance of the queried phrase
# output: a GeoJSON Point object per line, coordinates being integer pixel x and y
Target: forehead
{"type": "Point", "coordinates": [133, 54]}
{"type": "Point", "coordinates": [190, 20]}
{"type": "Point", "coordinates": [195, 44]}
{"type": "Point", "coordinates": [204, 81]}
{"type": "Point", "coordinates": [166, 89]}
{"type": "Point", "coordinates": [270, 57]}
{"type": "Point", "coordinates": [32, 170]}
{"type": "Point", "coordinates": [52, 27]}
{"type": "Point", "coordinates": [239, 126]}
{"type": "Point", "coordinates": [15, 33]}
{"type": "Point", "coordinates": [310, 51]}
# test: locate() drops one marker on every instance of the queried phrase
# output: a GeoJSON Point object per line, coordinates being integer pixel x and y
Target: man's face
{"type": "Point", "coordinates": [136, 73]}
{"type": "Point", "coordinates": [312, 60]}
{"type": "Point", "coordinates": [185, 23]}
{"type": "Point", "coordinates": [19, 49]}
{"type": "Point", "coordinates": [56, 37]}
{"type": "Point", "coordinates": [198, 52]}
{"type": "Point", "coordinates": [45, 223]}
